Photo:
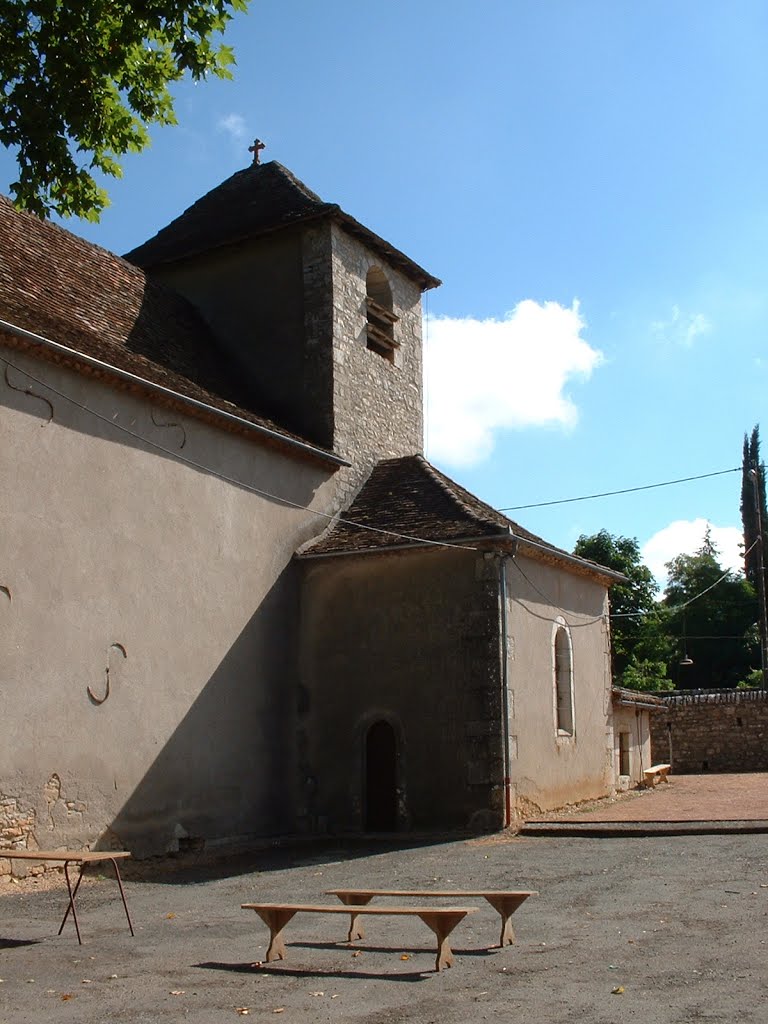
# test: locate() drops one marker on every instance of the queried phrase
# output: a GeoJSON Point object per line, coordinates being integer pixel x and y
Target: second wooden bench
{"type": "Point", "coordinates": [441, 920]}
{"type": "Point", "coordinates": [656, 773]}
{"type": "Point", "coordinates": [505, 902]}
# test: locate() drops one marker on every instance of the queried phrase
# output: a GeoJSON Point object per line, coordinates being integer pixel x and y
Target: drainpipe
{"type": "Point", "coordinates": [505, 688]}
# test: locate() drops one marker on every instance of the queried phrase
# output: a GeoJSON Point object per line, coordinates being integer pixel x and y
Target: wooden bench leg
{"type": "Point", "coordinates": [276, 920]}
{"type": "Point", "coordinates": [355, 927]}
{"type": "Point", "coordinates": [506, 906]}
{"type": "Point", "coordinates": [442, 925]}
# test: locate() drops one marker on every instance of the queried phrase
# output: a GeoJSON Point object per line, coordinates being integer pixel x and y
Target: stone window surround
{"type": "Point", "coordinates": [380, 315]}
{"type": "Point", "coordinates": [560, 685]}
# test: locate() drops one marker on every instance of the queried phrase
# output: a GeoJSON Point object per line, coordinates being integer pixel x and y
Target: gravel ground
{"type": "Point", "coordinates": [662, 929]}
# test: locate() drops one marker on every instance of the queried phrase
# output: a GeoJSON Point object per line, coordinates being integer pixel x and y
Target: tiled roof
{"type": "Point", "coordinates": [621, 695]}
{"type": "Point", "coordinates": [57, 285]}
{"type": "Point", "coordinates": [409, 497]}
{"type": "Point", "coordinates": [252, 202]}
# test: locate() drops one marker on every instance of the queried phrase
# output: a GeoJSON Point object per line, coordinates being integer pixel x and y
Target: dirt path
{"type": "Point", "coordinates": [741, 797]}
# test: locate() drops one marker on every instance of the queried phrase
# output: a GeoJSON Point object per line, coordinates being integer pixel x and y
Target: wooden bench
{"type": "Point", "coordinates": [441, 920]}
{"type": "Point", "coordinates": [83, 858]}
{"type": "Point", "coordinates": [505, 902]}
{"type": "Point", "coordinates": [656, 773]}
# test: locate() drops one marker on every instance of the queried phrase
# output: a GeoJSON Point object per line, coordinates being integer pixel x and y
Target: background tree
{"type": "Point", "coordinates": [751, 461]}
{"type": "Point", "coordinates": [718, 628]}
{"type": "Point", "coordinates": [755, 522]}
{"type": "Point", "coordinates": [640, 646]}
{"type": "Point", "coordinates": [81, 81]}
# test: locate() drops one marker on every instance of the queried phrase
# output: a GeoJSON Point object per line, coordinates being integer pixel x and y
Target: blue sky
{"type": "Point", "coordinates": [589, 180]}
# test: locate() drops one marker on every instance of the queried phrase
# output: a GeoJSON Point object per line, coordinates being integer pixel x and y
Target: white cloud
{"type": "Point", "coordinates": [684, 537]}
{"type": "Point", "coordinates": [484, 376]}
{"type": "Point", "coordinates": [234, 125]}
{"type": "Point", "coordinates": [682, 328]}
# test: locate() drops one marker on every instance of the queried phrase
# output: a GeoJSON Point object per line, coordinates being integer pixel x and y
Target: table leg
{"type": "Point", "coordinates": [442, 925]}
{"type": "Point", "coordinates": [276, 920]}
{"type": "Point", "coordinates": [72, 895]}
{"type": "Point", "coordinates": [506, 906]}
{"type": "Point", "coordinates": [122, 892]}
{"type": "Point", "coordinates": [355, 927]}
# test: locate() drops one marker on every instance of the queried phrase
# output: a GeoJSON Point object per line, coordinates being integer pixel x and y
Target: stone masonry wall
{"type": "Point", "coordinates": [411, 638]}
{"type": "Point", "coordinates": [712, 732]}
{"type": "Point", "coordinates": [377, 404]}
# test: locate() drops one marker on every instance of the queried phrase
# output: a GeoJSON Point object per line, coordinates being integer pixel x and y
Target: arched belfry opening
{"type": "Point", "coordinates": [380, 778]}
{"type": "Point", "coordinates": [380, 334]}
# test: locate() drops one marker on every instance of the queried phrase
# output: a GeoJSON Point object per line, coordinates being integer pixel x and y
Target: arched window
{"type": "Point", "coordinates": [563, 659]}
{"type": "Point", "coordinates": [380, 334]}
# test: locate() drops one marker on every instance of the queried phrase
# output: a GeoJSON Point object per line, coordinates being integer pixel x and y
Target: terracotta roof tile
{"type": "Point", "coordinates": [57, 285]}
{"type": "Point", "coordinates": [621, 695]}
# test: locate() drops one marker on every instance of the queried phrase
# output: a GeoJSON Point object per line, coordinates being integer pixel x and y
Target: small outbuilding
{"type": "Point", "coordinates": [632, 711]}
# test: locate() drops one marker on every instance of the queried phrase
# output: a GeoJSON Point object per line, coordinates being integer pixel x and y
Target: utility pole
{"type": "Point", "coordinates": [754, 474]}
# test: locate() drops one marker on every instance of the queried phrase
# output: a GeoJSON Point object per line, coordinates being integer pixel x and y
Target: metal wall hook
{"type": "Point", "coordinates": [91, 694]}
{"type": "Point", "coordinates": [177, 426]}
{"type": "Point", "coordinates": [30, 392]}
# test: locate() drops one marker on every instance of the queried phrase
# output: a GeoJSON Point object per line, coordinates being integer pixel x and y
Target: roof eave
{"type": "Point", "coordinates": [330, 211]}
{"type": "Point", "coordinates": [582, 564]}
{"type": "Point", "coordinates": [494, 541]}
{"type": "Point", "coordinates": [395, 256]}
{"type": "Point", "coordinates": [150, 387]}
{"type": "Point", "coordinates": [636, 699]}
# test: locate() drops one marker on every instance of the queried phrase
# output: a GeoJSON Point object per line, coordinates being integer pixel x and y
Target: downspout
{"type": "Point", "coordinates": [505, 688]}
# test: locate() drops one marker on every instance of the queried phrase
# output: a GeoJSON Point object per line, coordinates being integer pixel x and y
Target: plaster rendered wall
{"type": "Point", "coordinates": [290, 307]}
{"type": "Point", "coordinates": [548, 770]}
{"type": "Point", "coordinates": [117, 556]}
{"type": "Point", "coordinates": [411, 638]}
{"type": "Point", "coordinates": [713, 732]}
{"type": "Point", "coordinates": [259, 298]}
{"type": "Point", "coordinates": [636, 723]}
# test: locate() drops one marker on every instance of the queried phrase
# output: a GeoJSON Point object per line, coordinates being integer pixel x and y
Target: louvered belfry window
{"type": "Point", "coordinates": [380, 332]}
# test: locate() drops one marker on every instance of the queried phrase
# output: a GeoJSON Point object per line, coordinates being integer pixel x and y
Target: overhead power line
{"type": "Point", "coordinates": [335, 519]}
{"type": "Point", "coordinates": [624, 490]}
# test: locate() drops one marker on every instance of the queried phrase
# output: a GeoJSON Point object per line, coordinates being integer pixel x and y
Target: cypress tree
{"type": "Point", "coordinates": [755, 521]}
{"type": "Point", "coordinates": [751, 460]}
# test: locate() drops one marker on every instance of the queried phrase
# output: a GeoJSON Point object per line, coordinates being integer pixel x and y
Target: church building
{"type": "Point", "coordinates": [236, 600]}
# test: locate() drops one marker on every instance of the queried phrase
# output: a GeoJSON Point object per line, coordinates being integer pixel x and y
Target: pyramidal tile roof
{"type": "Point", "coordinates": [412, 502]}
{"type": "Point", "coordinates": [63, 288]}
{"type": "Point", "coordinates": [257, 200]}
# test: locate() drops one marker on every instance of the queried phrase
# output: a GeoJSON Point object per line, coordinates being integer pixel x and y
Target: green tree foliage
{"type": "Point", "coordinates": [754, 518]}
{"type": "Point", "coordinates": [640, 646]}
{"type": "Point", "coordinates": [81, 80]}
{"type": "Point", "coordinates": [643, 674]}
{"type": "Point", "coordinates": [751, 500]}
{"type": "Point", "coordinates": [717, 629]}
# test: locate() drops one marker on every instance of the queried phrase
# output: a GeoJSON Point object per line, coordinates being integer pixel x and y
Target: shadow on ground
{"type": "Point", "coordinates": [190, 868]}
{"type": "Point", "coordinates": [297, 972]}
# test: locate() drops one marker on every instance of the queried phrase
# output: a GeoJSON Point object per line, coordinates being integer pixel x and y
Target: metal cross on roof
{"type": "Point", "coordinates": [256, 149]}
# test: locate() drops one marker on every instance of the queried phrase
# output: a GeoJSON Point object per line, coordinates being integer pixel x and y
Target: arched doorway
{"type": "Point", "coordinates": [381, 778]}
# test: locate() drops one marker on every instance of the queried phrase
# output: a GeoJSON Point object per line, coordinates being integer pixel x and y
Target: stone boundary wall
{"type": "Point", "coordinates": [712, 731]}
